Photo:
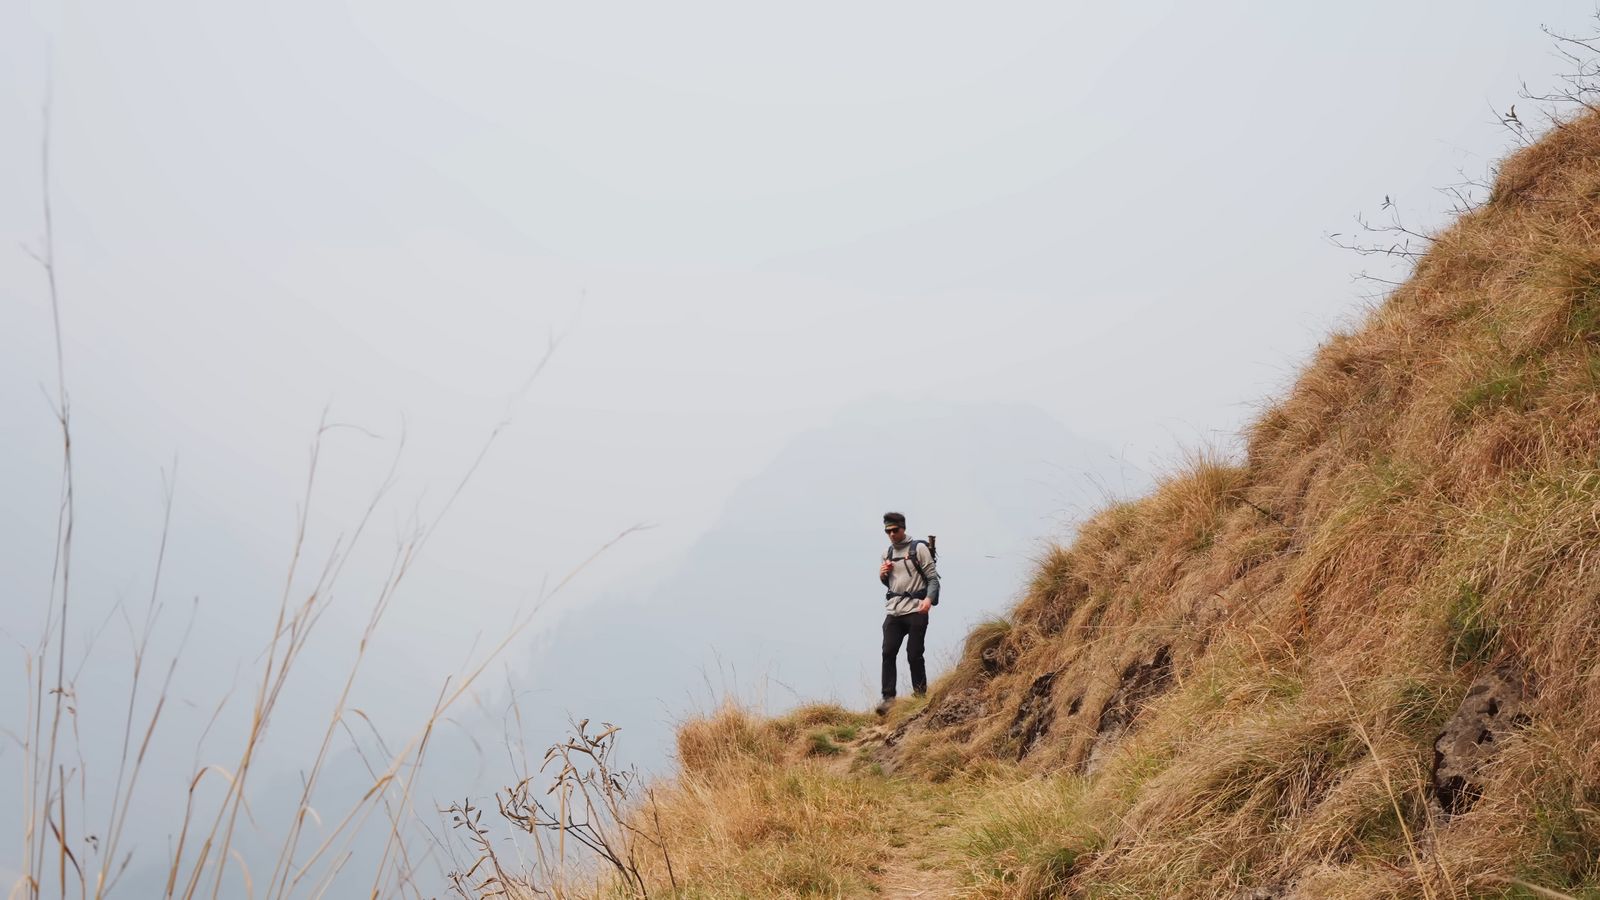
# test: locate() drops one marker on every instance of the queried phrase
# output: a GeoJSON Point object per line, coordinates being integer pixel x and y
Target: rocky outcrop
{"type": "Point", "coordinates": [1140, 682]}
{"type": "Point", "coordinates": [958, 709]}
{"type": "Point", "coordinates": [997, 657]}
{"type": "Point", "coordinates": [1034, 714]}
{"type": "Point", "coordinates": [1490, 712]}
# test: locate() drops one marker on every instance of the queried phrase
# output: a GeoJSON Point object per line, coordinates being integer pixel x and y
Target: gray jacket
{"type": "Point", "coordinates": [904, 585]}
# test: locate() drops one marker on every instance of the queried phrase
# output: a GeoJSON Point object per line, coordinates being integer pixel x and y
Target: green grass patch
{"type": "Point", "coordinates": [1025, 840]}
{"type": "Point", "coordinates": [1386, 481]}
{"type": "Point", "coordinates": [1584, 320]}
{"type": "Point", "coordinates": [1591, 369]}
{"type": "Point", "coordinates": [1135, 768]}
{"type": "Point", "coordinates": [1284, 686]}
{"type": "Point", "coordinates": [1578, 276]}
{"type": "Point", "coordinates": [1421, 708]}
{"type": "Point", "coordinates": [1507, 386]}
{"type": "Point", "coordinates": [820, 743]}
{"type": "Point", "coordinates": [941, 764]}
{"type": "Point", "coordinates": [1471, 631]}
{"type": "Point", "coordinates": [1521, 892]}
{"type": "Point", "coordinates": [903, 709]}
{"type": "Point", "coordinates": [1568, 825]}
{"type": "Point", "coordinates": [1380, 830]}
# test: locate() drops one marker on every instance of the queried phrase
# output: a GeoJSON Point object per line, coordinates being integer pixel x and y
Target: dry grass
{"type": "Point", "coordinates": [61, 813]}
{"type": "Point", "coordinates": [74, 838]}
{"type": "Point", "coordinates": [1233, 685]}
{"type": "Point", "coordinates": [756, 812]}
{"type": "Point", "coordinates": [1230, 687]}
{"type": "Point", "coordinates": [1423, 504]}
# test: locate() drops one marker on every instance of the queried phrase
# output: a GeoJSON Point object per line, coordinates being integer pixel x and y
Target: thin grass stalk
{"type": "Point", "coordinates": [405, 797]}
{"type": "Point", "coordinates": [38, 803]}
{"type": "Point", "coordinates": [1394, 802]}
{"type": "Point", "coordinates": [289, 626]}
{"type": "Point", "coordinates": [138, 767]}
{"type": "Point", "coordinates": [291, 840]}
{"type": "Point", "coordinates": [119, 810]}
{"type": "Point", "coordinates": [366, 762]}
{"type": "Point", "coordinates": [48, 782]}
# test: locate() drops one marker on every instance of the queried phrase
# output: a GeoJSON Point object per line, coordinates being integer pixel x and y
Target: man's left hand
{"type": "Point", "coordinates": [924, 606]}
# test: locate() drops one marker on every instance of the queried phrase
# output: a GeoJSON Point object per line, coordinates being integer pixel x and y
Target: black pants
{"type": "Point", "coordinates": [896, 629]}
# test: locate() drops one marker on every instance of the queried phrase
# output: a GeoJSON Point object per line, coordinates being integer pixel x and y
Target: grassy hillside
{"type": "Point", "coordinates": [1364, 661]}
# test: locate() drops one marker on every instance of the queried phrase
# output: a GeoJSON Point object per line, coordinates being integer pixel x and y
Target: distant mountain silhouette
{"type": "Point", "coordinates": [779, 602]}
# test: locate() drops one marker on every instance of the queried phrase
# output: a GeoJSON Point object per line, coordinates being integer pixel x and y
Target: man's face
{"type": "Point", "coordinates": [896, 533]}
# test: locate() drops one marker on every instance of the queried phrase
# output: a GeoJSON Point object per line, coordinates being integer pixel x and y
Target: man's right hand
{"type": "Point", "coordinates": [884, 567]}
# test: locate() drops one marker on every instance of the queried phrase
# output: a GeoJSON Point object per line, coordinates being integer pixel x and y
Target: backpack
{"type": "Point", "coordinates": [911, 555]}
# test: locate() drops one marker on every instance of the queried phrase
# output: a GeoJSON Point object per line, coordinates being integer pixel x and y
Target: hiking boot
{"type": "Point", "coordinates": [884, 707]}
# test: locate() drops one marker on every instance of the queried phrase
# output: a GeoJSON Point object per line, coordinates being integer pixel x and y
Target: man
{"type": "Point", "coordinates": [911, 581]}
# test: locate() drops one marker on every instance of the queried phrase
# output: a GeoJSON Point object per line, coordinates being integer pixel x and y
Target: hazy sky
{"type": "Point", "coordinates": [740, 217]}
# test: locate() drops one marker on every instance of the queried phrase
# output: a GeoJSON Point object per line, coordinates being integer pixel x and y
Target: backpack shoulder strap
{"type": "Point", "coordinates": [911, 554]}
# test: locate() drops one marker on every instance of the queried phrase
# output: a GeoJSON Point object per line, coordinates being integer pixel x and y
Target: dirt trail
{"type": "Point", "coordinates": [904, 876]}
{"type": "Point", "coordinates": [913, 868]}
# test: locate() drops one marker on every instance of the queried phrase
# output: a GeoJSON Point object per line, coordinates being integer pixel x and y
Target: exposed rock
{"type": "Point", "coordinates": [957, 709]}
{"type": "Point", "coordinates": [1491, 710]}
{"type": "Point", "coordinates": [1267, 892]}
{"type": "Point", "coordinates": [1139, 683]}
{"type": "Point", "coordinates": [896, 735]}
{"type": "Point", "coordinates": [883, 743]}
{"type": "Point", "coordinates": [1034, 714]}
{"type": "Point", "coordinates": [998, 658]}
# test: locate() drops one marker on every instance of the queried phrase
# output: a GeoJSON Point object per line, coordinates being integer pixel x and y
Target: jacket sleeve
{"type": "Point", "coordinates": [931, 567]}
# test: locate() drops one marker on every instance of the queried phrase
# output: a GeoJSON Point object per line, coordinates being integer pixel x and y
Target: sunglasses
{"type": "Point", "coordinates": [893, 529]}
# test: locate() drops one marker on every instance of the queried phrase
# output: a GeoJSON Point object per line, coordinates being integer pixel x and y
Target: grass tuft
{"type": "Point", "coordinates": [1233, 686]}
{"type": "Point", "coordinates": [1472, 631]}
{"type": "Point", "coordinates": [820, 743]}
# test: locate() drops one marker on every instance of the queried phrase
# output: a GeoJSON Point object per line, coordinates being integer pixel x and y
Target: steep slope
{"type": "Point", "coordinates": [779, 599]}
{"type": "Point", "coordinates": [1361, 662]}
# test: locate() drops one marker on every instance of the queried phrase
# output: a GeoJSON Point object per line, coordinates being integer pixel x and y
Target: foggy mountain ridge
{"type": "Point", "coordinates": [778, 600]}
{"type": "Point", "coordinates": [384, 214]}
{"type": "Point", "coordinates": [776, 603]}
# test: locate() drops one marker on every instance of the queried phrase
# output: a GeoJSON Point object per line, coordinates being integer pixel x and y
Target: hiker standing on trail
{"type": "Point", "coordinates": [910, 578]}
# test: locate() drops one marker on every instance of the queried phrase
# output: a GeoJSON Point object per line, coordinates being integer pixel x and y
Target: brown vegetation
{"type": "Point", "coordinates": [1240, 685]}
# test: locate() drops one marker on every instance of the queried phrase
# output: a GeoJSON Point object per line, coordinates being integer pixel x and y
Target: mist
{"type": "Point", "coordinates": [630, 322]}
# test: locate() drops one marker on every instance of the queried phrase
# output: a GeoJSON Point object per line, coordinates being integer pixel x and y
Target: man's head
{"type": "Point", "coordinates": [894, 525]}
